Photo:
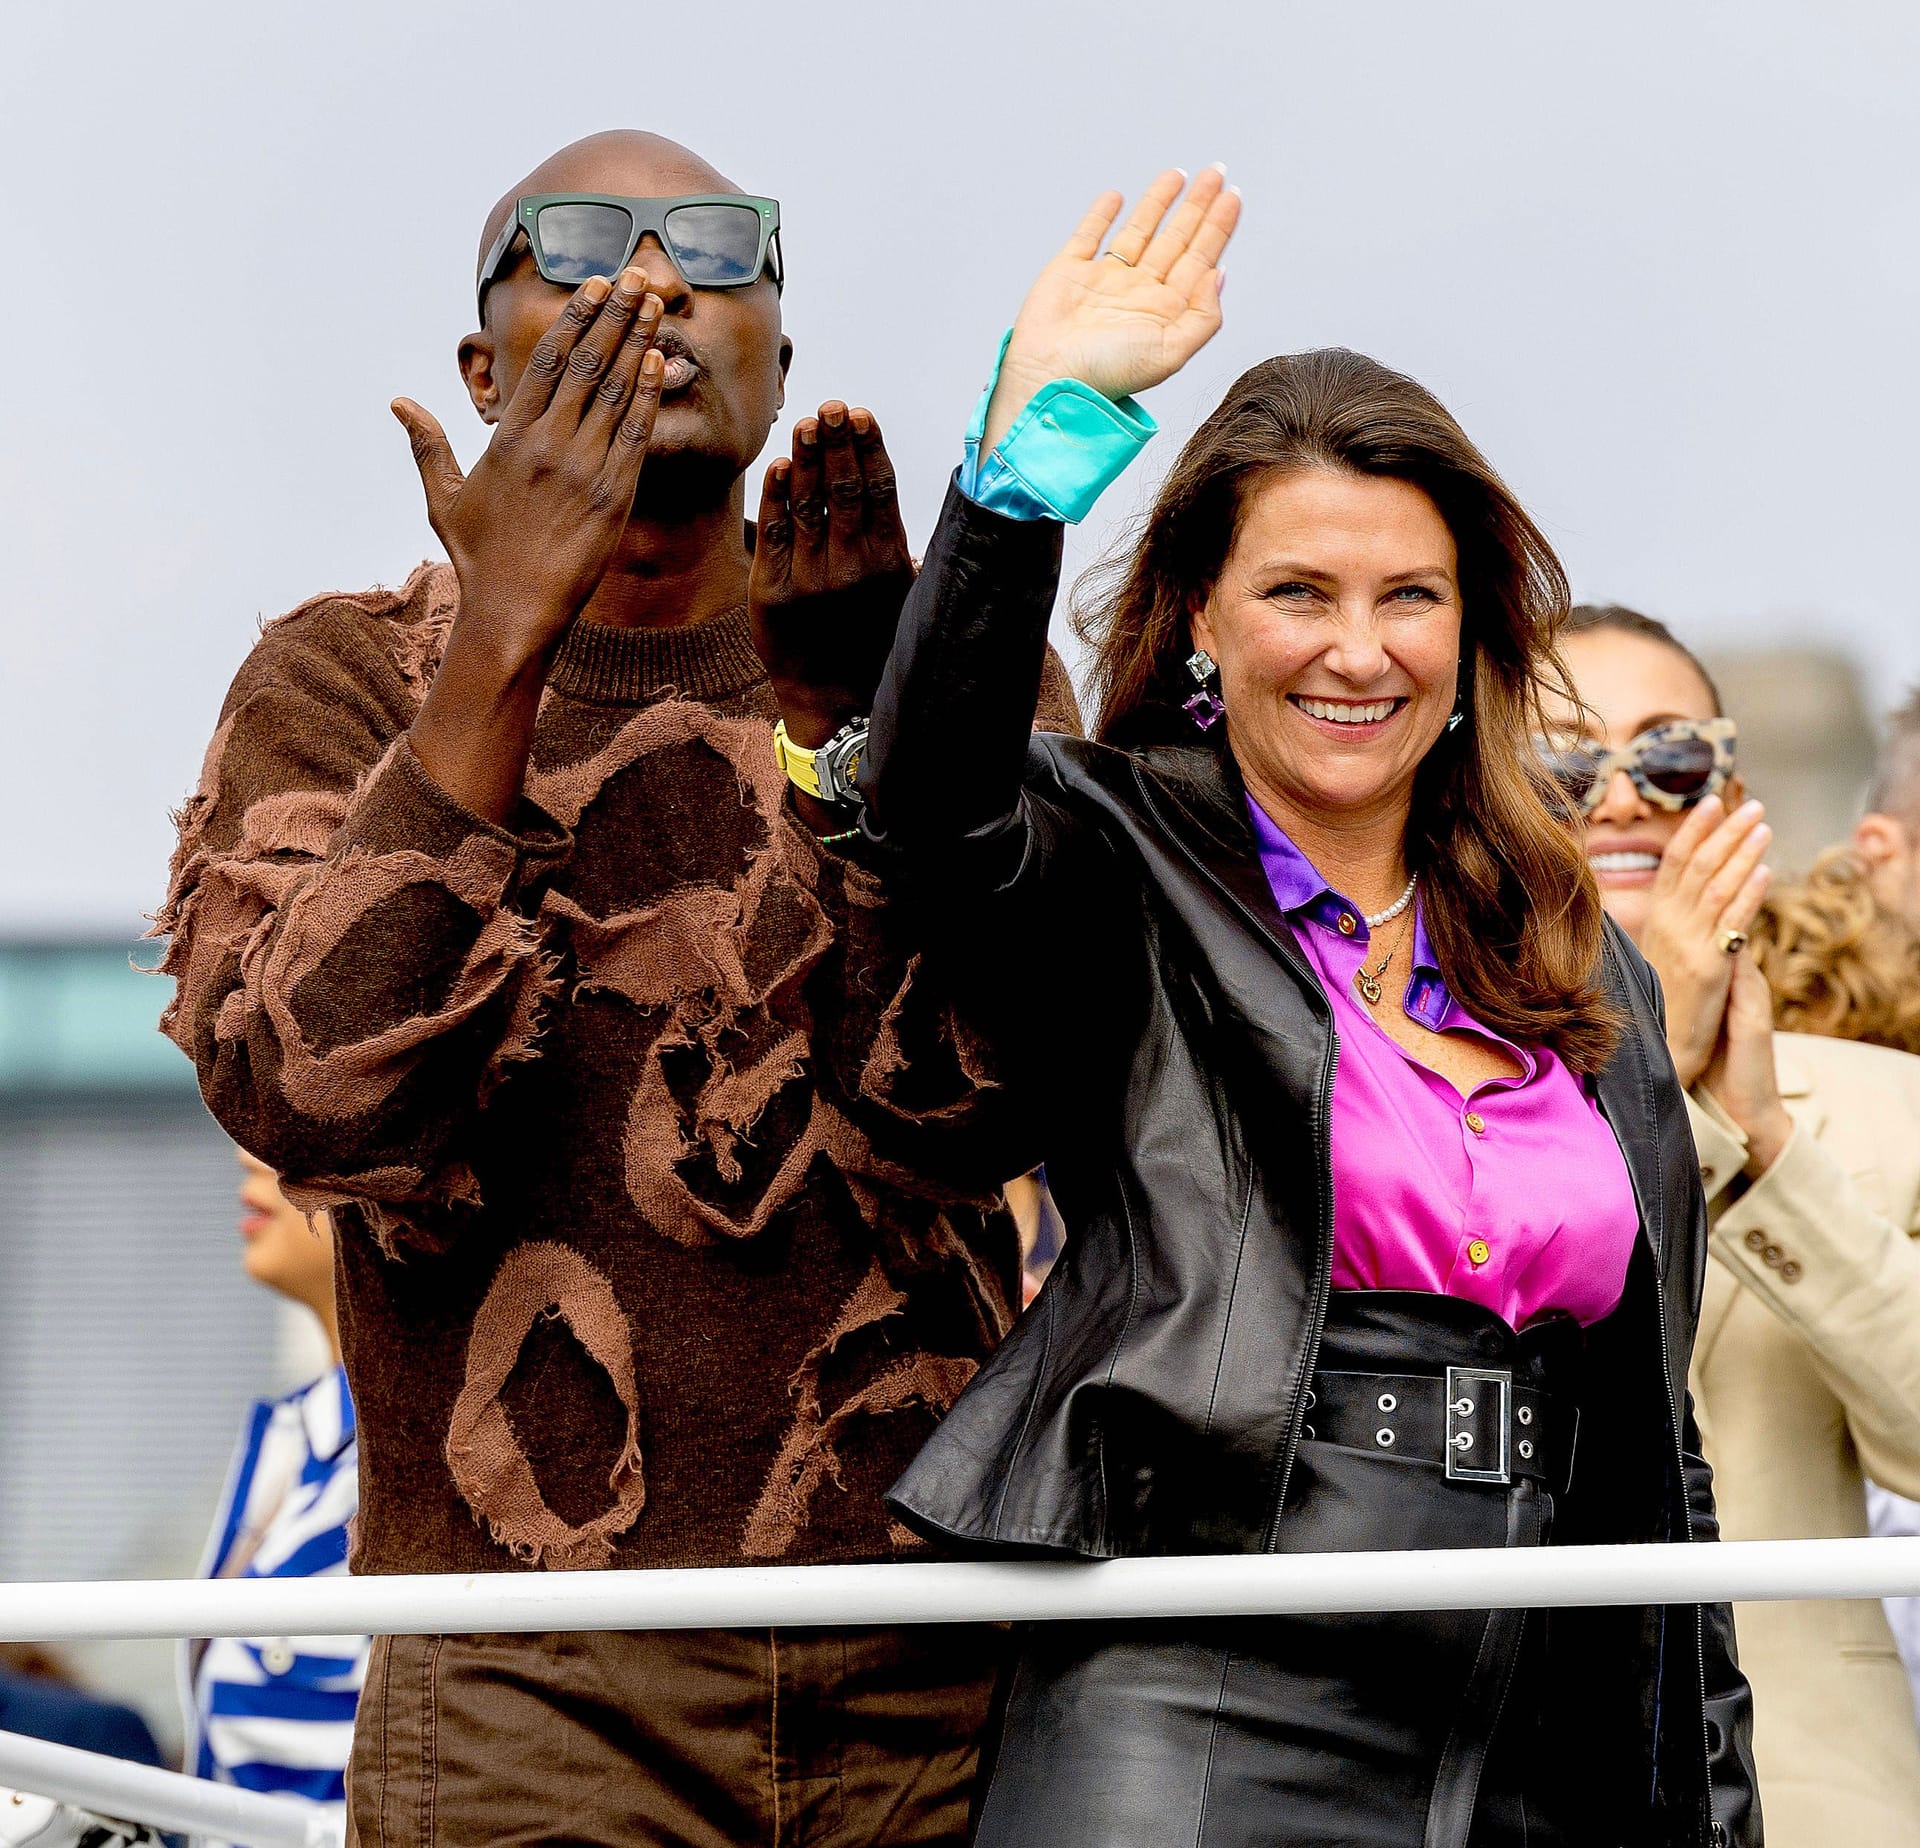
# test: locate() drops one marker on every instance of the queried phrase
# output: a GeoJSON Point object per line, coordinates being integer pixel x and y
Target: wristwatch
{"type": "Point", "coordinates": [827, 773]}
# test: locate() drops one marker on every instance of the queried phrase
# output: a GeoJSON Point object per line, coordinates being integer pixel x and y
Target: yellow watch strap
{"type": "Point", "coordinates": [798, 763]}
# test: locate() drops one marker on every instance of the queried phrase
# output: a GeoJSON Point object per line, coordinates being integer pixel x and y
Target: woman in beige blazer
{"type": "Point", "coordinates": [1806, 1372]}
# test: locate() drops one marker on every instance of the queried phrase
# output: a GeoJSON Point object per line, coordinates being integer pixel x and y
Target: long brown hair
{"type": "Point", "coordinates": [1508, 900]}
{"type": "Point", "coordinates": [1838, 963]}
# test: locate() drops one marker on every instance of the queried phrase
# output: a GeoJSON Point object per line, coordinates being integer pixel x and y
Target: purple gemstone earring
{"type": "Point", "coordinates": [1205, 707]}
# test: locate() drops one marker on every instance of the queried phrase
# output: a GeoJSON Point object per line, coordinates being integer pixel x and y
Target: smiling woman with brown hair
{"type": "Point", "coordinates": [1375, 1176]}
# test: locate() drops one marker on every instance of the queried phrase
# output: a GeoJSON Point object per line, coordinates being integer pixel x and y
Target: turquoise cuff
{"type": "Point", "coordinates": [1066, 448]}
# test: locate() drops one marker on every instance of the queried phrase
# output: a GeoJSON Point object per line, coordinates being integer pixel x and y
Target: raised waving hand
{"type": "Point", "coordinates": [1125, 318]}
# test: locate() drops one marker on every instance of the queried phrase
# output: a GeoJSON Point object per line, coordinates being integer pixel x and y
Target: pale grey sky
{"type": "Point", "coordinates": [1660, 259]}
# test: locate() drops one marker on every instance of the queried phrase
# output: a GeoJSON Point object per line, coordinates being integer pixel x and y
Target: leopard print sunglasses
{"type": "Point", "coordinates": [1674, 766]}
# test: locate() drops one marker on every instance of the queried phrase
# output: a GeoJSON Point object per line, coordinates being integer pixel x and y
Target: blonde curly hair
{"type": "Point", "coordinates": [1839, 963]}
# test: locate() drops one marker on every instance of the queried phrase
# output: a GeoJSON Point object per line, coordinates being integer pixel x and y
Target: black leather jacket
{"type": "Point", "coordinates": [1167, 1049]}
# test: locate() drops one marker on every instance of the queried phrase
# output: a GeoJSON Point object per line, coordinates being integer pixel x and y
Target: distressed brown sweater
{"type": "Point", "coordinates": [656, 1243]}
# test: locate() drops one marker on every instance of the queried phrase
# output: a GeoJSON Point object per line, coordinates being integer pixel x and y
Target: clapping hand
{"type": "Point", "coordinates": [1707, 892]}
{"type": "Point", "coordinates": [1126, 318]}
{"type": "Point", "coordinates": [1741, 1077]}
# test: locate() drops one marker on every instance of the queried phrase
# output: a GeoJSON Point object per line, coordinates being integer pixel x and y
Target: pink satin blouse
{"type": "Point", "coordinates": [1516, 1197]}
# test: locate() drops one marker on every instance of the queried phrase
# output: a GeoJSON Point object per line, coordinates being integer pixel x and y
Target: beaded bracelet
{"type": "Point", "coordinates": [834, 840]}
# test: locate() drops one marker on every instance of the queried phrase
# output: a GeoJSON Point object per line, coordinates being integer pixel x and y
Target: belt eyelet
{"type": "Point", "coordinates": [1525, 1414]}
{"type": "Point", "coordinates": [1384, 1437]}
{"type": "Point", "coordinates": [1525, 1448]}
{"type": "Point", "coordinates": [1387, 1402]}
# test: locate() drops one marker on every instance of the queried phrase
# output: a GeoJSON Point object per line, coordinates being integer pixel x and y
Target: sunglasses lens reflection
{"type": "Point", "coordinates": [1680, 767]}
{"type": "Point", "coordinates": [715, 246]}
{"type": "Point", "coordinates": [578, 241]}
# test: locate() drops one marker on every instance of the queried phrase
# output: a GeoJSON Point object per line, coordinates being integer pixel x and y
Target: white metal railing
{"type": "Point", "coordinates": [730, 1597]}
{"type": "Point", "coordinates": [1211, 1585]}
{"type": "Point", "coordinates": [111, 1787]}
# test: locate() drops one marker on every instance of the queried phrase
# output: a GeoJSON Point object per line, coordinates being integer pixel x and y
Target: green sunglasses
{"type": "Point", "coordinates": [716, 240]}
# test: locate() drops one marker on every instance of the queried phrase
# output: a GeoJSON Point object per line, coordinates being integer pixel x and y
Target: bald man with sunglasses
{"type": "Point", "coordinates": [509, 928]}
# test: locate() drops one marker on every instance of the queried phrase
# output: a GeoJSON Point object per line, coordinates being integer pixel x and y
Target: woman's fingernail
{"type": "Point", "coordinates": [833, 415]}
{"type": "Point", "coordinates": [1753, 807]}
{"type": "Point", "coordinates": [1220, 167]}
{"type": "Point", "coordinates": [1219, 282]}
{"type": "Point", "coordinates": [862, 423]}
{"type": "Point", "coordinates": [808, 433]}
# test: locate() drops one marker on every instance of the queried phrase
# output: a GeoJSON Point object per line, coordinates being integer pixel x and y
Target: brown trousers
{"type": "Point", "coordinates": [687, 1739]}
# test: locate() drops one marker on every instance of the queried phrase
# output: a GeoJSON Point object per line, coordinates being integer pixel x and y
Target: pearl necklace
{"type": "Point", "coordinates": [1393, 910]}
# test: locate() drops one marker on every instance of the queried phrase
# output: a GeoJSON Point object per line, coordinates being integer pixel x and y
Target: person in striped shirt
{"type": "Point", "coordinates": [275, 1713]}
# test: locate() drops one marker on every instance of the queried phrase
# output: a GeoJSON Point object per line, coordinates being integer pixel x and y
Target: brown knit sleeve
{"type": "Point", "coordinates": [353, 970]}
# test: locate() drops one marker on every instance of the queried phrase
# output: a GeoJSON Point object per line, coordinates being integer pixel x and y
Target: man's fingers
{"type": "Point", "coordinates": [1131, 240]}
{"type": "Point", "coordinates": [433, 455]}
{"type": "Point", "coordinates": [596, 350]}
{"type": "Point", "coordinates": [1084, 244]}
{"type": "Point", "coordinates": [846, 487]}
{"type": "Point", "coordinates": [614, 393]}
{"type": "Point", "coordinates": [876, 468]}
{"type": "Point", "coordinates": [1192, 274]}
{"type": "Point", "coordinates": [773, 531]}
{"type": "Point", "coordinates": [1176, 232]}
{"type": "Point", "coordinates": [807, 491]}
{"type": "Point", "coordinates": [629, 450]}
{"type": "Point", "coordinates": [548, 361]}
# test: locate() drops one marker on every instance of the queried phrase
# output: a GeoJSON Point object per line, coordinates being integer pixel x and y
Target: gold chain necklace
{"type": "Point", "coordinates": [1368, 981]}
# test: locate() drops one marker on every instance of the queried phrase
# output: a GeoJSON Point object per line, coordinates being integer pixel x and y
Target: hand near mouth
{"type": "Point", "coordinates": [1710, 881]}
{"type": "Point", "coordinates": [532, 529]}
{"type": "Point", "coordinates": [831, 569]}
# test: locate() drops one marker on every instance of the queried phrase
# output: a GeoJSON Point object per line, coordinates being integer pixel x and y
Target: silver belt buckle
{"type": "Point", "coordinates": [1479, 1433]}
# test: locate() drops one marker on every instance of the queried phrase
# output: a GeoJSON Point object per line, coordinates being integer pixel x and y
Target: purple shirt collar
{"type": "Point", "coordinates": [1301, 893]}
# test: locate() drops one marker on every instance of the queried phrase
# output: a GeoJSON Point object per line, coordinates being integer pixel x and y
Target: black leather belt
{"type": "Point", "coordinates": [1475, 1422]}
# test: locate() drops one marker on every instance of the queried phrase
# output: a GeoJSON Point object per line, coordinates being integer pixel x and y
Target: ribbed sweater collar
{"type": "Point", "coordinates": [707, 661]}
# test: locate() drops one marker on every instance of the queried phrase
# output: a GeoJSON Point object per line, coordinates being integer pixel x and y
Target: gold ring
{"type": "Point", "coordinates": [1118, 258]}
{"type": "Point", "coordinates": [1731, 941]}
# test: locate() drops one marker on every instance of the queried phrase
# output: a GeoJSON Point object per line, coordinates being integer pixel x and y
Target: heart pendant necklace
{"type": "Point", "coordinates": [1368, 980]}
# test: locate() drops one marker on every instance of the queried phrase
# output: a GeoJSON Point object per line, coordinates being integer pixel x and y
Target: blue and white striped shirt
{"type": "Point", "coordinates": [275, 1713]}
